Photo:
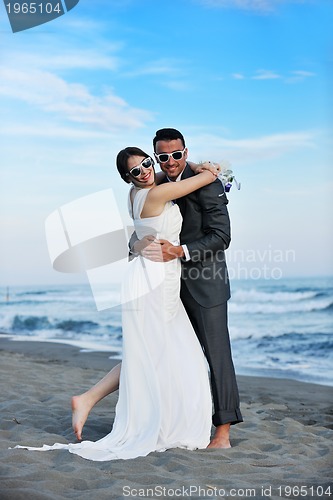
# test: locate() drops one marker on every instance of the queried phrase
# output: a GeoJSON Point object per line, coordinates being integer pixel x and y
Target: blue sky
{"type": "Point", "coordinates": [246, 81]}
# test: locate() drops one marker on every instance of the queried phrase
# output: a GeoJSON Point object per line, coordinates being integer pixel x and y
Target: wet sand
{"type": "Point", "coordinates": [285, 440]}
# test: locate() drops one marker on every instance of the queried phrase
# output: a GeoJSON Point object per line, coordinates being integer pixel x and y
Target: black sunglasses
{"type": "Point", "coordinates": [164, 157]}
{"type": "Point", "coordinates": [136, 171]}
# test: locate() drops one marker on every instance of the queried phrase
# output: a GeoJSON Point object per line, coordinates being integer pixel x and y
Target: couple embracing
{"type": "Point", "coordinates": [170, 332]}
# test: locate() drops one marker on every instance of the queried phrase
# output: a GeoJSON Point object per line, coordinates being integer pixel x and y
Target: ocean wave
{"type": "Point", "coordinates": [39, 300]}
{"type": "Point", "coordinates": [35, 302]}
{"type": "Point", "coordinates": [30, 323]}
{"type": "Point", "coordinates": [288, 348]}
{"type": "Point", "coordinates": [280, 307]}
{"type": "Point", "coordinates": [33, 323]}
{"type": "Point", "coordinates": [76, 326]}
{"type": "Point", "coordinates": [328, 289]}
{"type": "Point", "coordinates": [55, 327]}
{"type": "Point", "coordinates": [254, 295]}
{"type": "Point", "coordinates": [316, 344]}
{"type": "Point", "coordinates": [76, 297]}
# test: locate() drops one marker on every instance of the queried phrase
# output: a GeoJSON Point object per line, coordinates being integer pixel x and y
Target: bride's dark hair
{"type": "Point", "coordinates": [122, 158]}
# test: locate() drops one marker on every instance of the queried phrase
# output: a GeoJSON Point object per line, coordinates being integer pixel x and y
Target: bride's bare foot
{"type": "Point", "coordinates": [80, 412]}
{"type": "Point", "coordinates": [81, 405]}
{"type": "Point", "coordinates": [221, 438]}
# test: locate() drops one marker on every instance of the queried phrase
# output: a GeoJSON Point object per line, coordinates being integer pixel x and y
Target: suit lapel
{"type": "Point", "coordinates": [186, 172]}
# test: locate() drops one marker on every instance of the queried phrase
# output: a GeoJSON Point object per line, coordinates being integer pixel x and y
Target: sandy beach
{"type": "Point", "coordinates": [285, 441]}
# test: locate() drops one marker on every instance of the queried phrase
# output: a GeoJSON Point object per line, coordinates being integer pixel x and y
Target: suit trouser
{"type": "Point", "coordinates": [211, 326]}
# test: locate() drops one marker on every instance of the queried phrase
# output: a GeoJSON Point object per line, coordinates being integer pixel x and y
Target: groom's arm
{"type": "Point", "coordinates": [131, 244]}
{"type": "Point", "coordinates": [132, 241]}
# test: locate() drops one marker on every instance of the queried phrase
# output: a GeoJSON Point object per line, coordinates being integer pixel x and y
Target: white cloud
{"type": "Point", "coordinates": [249, 150]}
{"type": "Point", "coordinates": [47, 130]}
{"type": "Point", "coordinates": [68, 53]}
{"type": "Point", "coordinates": [169, 73]}
{"type": "Point", "coordinates": [238, 76]}
{"type": "Point", "coordinates": [72, 101]}
{"type": "Point", "coordinates": [303, 73]}
{"type": "Point", "coordinates": [159, 67]}
{"type": "Point", "coordinates": [178, 85]}
{"type": "Point", "coordinates": [264, 74]}
{"type": "Point", "coordinates": [70, 24]}
{"type": "Point", "coordinates": [262, 6]}
{"type": "Point", "coordinates": [299, 76]}
{"type": "Point", "coordinates": [58, 58]}
{"type": "Point", "coordinates": [79, 59]}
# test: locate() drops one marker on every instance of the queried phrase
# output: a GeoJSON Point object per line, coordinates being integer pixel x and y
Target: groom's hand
{"type": "Point", "coordinates": [160, 250]}
{"type": "Point", "coordinates": [170, 251]}
{"type": "Point", "coordinates": [140, 245]}
{"type": "Point", "coordinates": [149, 247]}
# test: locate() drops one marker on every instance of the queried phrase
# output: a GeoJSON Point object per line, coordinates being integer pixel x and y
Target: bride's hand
{"type": "Point", "coordinates": [214, 168]}
{"type": "Point", "coordinates": [139, 245]}
{"type": "Point", "coordinates": [149, 247]}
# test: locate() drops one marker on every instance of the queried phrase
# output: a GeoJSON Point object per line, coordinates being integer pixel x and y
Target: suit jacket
{"type": "Point", "coordinates": [206, 232]}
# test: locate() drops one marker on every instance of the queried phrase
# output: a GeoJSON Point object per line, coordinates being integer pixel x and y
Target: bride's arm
{"type": "Point", "coordinates": [215, 168]}
{"type": "Point", "coordinates": [160, 176]}
{"type": "Point", "coordinates": [159, 195]}
{"type": "Point", "coordinates": [156, 199]}
{"type": "Point", "coordinates": [196, 167]}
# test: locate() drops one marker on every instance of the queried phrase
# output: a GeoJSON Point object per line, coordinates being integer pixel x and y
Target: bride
{"type": "Point", "coordinates": [164, 393]}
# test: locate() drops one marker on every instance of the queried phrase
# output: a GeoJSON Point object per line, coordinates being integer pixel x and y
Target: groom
{"type": "Point", "coordinates": [205, 287]}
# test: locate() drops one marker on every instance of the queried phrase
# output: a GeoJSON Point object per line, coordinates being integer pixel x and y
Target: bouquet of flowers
{"type": "Point", "coordinates": [226, 176]}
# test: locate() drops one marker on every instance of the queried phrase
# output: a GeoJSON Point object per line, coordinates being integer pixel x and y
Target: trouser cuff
{"type": "Point", "coordinates": [227, 417]}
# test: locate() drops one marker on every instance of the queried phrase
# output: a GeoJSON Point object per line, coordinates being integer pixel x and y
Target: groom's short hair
{"type": "Point", "coordinates": [168, 134]}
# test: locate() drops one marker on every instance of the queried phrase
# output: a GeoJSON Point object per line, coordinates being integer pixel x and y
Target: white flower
{"type": "Point", "coordinates": [226, 175]}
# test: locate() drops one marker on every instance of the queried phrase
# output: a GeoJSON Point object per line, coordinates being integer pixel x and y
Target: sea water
{"type": "Point", "coordinates": [278, 328]}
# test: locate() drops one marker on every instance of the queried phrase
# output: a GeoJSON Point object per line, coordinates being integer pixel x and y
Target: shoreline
{"type": "Point", "coordinates": [297, 396]}
{"type": "Point", "coordinates": [22, 345]}
{"type": "Point", "coordinates": [60, 352]}
{"type": "Point", "coordinates": [285, 439]}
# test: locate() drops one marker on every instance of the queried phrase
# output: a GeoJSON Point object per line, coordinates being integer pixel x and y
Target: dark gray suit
{"type": "Point", "coordinates": [205, 289]}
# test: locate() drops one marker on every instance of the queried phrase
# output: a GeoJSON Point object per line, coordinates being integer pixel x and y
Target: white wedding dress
{"type": "Point", "coordinates": [164, 393]}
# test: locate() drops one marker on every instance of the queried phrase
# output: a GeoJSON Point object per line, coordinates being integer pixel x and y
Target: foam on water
{"type": "Point", "coordinates": [277, 327]}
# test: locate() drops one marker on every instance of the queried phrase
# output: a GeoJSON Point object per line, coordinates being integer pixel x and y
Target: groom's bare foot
{"type": "Point", "coordinates": [221, 437]}
{"type": "Point", "coordinates": [80, 412]}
